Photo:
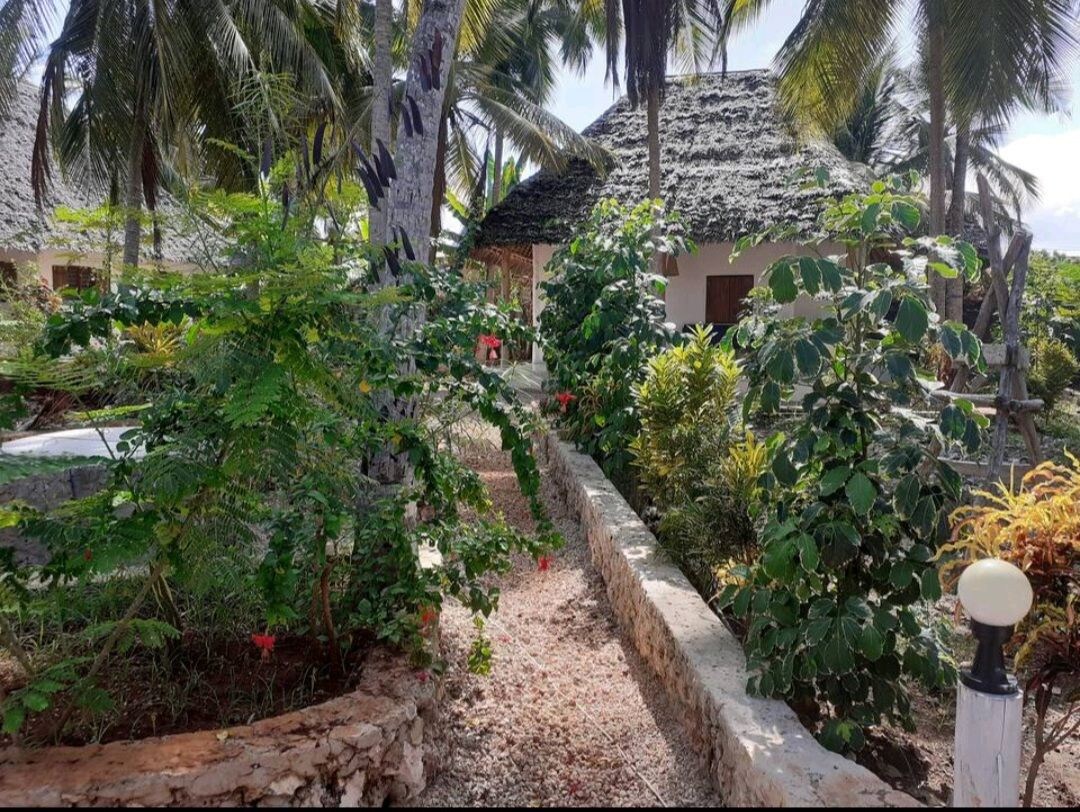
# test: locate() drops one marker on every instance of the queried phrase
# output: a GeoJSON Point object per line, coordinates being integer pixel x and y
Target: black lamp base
{"type": "Point", "coordinates": [987, 673]}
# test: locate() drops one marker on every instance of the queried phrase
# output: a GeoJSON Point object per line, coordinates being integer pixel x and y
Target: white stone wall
{"type": "Point", "coordinates": [40, 265]}
{"type": "Point", "coordinates": [685, 296]}
{"type": "Point", "coordinates": [758, 752]}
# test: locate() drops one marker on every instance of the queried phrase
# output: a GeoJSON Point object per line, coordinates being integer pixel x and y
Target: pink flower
{"type": "Point", "coordinates": [265, 644]}
{"type": "Point", "coordinates": [491, 342]}
{"type": "Point", "coordinates": [422, 676]}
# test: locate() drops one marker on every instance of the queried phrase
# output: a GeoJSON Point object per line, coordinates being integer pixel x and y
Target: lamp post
{"type": "Point", "coordinates": [986, 764]}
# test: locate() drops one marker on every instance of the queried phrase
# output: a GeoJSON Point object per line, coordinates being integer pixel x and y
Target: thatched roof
{"type": "Point", "coordinates": [24, 228]}
{"type": "Point", "coordinates": [728, 162]}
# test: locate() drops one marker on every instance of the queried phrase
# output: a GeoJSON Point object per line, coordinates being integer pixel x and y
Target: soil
{"type": "Point", "coordinates": [569, 714]}
{"type": "Point", "coordinates": [202, 685]}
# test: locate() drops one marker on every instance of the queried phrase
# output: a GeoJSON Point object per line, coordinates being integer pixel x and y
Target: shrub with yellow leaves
{"type": "Point", "coordinates": [1037, 529]}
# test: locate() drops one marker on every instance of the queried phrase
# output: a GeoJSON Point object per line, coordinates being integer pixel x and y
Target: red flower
{"type": "Point", "coordinates": [491, 342]}
{"type": "Point", "coordinates": [543, 563]}
{"type": "Point", "coordinates": [428, 616]}
{"type": "Point", "coordinates": [564, 399]}
{"type": "Point", "coordinates": [422, 676]}
{"type": "Point", "coordinates": [265, 644]}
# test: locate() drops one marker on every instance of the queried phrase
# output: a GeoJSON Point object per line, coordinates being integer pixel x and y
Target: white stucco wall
{"type": "Point", "coordinates": [686, 292]}
{"type": "Point", "coordinates": [41, 264]}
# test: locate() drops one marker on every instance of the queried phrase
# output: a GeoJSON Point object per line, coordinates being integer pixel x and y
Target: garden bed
{"type": "Point", "coordinates": [757, 750]}
{"type": "Point", "coordinates": [365, 747]}
{"type": "Point", "coordinates": [918, 764]}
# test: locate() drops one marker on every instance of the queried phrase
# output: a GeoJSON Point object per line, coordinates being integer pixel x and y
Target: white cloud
{"type": "Point", "coordinates": [1055, 161]}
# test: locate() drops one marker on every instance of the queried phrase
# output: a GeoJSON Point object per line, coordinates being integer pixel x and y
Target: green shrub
{"type": "Point", "coordinates": [602, 321]}
{"type": "Point", "coordinates": [1053, 369]}
{"type": "Point", "coordinates": [683, 455]}
{"type": "Point", "coordinates": [858, 498]}
{"type": "Point", "coordinates": [260, 459]}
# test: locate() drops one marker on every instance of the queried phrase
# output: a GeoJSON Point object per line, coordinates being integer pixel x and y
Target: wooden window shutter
{"type": "Point", "coordinates": [724, 297]}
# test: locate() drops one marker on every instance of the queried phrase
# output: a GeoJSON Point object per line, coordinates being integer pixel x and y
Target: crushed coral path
{"type": "Point", "coordinates": [569, 715]}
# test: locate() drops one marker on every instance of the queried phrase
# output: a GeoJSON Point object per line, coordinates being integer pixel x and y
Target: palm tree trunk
{"type": "Point", "coordinates": [497, 169]}
{"type": "Point", "coordinates": [438, 191]}
{"type": "Point", "coordinates": [954, 288]}
{"type": "Point", "coordinates": [652, 114]}
{"type": "Point", "coordinates": [380, 102]}
{"type": "Point", "coordinates": [409, 198]}
{"type": "Point", "coordinates": [134, 194]}
{"type": "Point", "coordinates": [936, 58]}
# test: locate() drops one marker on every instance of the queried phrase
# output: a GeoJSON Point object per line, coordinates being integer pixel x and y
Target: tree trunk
{"type": "Point", "coordinates": [438, 191]}
{"type": "Point", "coordinates": [936, 57]}
{"type": "Point", "coordinates": [653, 126]}
{"type": "Point", "coordinates": [134, 194]}
{"type": "Point", "coordinates": [954, 288]}
{"type": "Point", "coordinates": [409, 199]}
{"type": "Point", "coordinates": [497, 169]}
{"type": "Point", "coordinates": [380, 103]}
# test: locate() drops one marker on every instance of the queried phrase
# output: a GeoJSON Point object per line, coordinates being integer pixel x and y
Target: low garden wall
{"type": "Point", "coordinates": [368, 747]}
{"type": "Point", "coordinates": [46, 491]}
{"type": "Point", "coordinates": [758, 752]}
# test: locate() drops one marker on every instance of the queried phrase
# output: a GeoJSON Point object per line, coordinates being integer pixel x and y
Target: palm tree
{"type": "Point", "coordinates": [977, 56]}
{"type": "Point", "coordinates": [382, 82]}
{"type": "Point", "coordinates": [649, 30]}
{"type": "Point", "coordinates": [158, 86]}
{"type": "Point", "coordinates": [888, 131]}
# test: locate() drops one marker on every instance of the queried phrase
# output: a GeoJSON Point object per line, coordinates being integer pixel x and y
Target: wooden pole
{"type": "Point", "coordinates": [986, 761]}
{"type": "Point", "coordinates": [1009, 384]}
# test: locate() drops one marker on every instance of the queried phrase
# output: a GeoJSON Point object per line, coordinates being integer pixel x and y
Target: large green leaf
{"type": "Point", "coordinates": [912, 319]}
{"type": "Point", "coordinates": [838, 542]}
{"type": "Point", "coordinates": [834, 479]}
{"type": "Point", "coordinates": [782, 283]}
{"type": "Point", "coordinates": [860, 493]}
{"type": "Point", "coordinates": [807, 357]}
{"type": "Point", "coordinates": [811, 275]}
{"type": "Point", "coordinates": [872, 643]}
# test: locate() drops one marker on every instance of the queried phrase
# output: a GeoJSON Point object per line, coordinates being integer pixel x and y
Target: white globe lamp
{"type": "Point", "coordinates": [996, 595]}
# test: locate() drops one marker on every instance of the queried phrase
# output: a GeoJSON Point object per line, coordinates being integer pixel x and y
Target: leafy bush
{"type": "Point", "coordinates": [1038, 530]}
{"type": "Point", "coordinates": [259, 454]}
{"type": "Point", "coordinates": [602, 321]}
{"type": "Point", "coordinates": [684, 459]}
{"type": "Point", "coordinates": [1053, 369]}
{"type": "Point", "coordinates": [857, 495]}
{"type": "Point", "coordinates": [1052, 299]}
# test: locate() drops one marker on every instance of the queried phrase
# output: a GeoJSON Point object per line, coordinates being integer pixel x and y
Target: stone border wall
{"type": "Point", "coordinates": [362, 749]}
{"type": "Point", "coordinates": [45, 492]}
{"type": "Point", "coordinates": [758, 752]}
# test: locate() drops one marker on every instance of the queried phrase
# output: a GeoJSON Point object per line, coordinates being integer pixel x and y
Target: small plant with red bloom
{"type": "Point", "coordinates": [565, 399]}
{"type": "Point", "coordinates": [265, 644]}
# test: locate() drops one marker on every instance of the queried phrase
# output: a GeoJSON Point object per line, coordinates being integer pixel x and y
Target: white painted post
{"type": "Point", "coordinates": [986, 761]}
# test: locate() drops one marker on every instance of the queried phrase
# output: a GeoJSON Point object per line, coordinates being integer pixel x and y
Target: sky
{"type": "Point", "coordinates": [1049, 146]}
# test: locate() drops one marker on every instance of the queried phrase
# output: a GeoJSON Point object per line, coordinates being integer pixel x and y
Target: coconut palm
{"type": "Point", "coordinates": [889, 131]}
{"type": "Point", "coordinates": [647, 31]}
{"type": "Point", "coordinates": [159, 85]}
{"type": "Point", "coordinates": [979, 58]}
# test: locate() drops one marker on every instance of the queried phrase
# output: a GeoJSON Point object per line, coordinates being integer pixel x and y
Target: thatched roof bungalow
{"type": "Point", "coordinates": [60, 253]}
{"type": "Point", "coordinates": [730, 166]}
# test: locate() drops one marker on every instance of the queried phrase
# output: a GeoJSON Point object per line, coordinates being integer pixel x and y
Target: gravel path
{"type": "Point", "coordinates": [569, 715]}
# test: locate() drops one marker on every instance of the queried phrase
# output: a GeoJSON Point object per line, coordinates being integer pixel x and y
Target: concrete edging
{"type": "Point", "coordinates": [758, 752]}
